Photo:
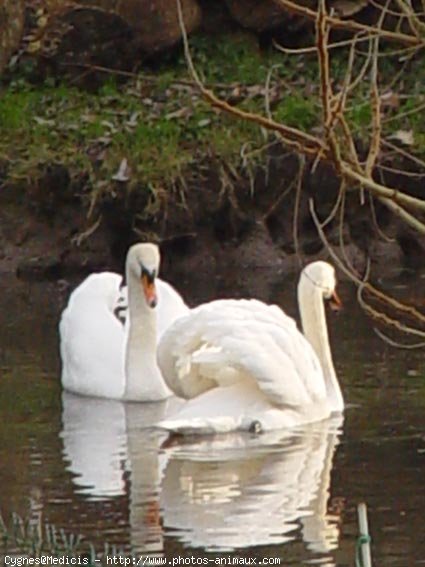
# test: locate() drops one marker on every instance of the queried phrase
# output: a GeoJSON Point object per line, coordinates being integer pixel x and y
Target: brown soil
{"type": "Point", "coordinates": [230, 233]}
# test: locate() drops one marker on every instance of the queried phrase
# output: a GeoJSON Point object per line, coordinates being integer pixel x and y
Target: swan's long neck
{"type": "Point", "coordinates": [143, 377]}
{"type": "Point", "coordinates": [310, 300]}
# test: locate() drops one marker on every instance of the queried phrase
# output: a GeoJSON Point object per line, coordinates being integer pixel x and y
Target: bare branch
{"type": "Point", "coordinates": [364, 285]}
{"type": "Point", "coordinates": [406, 113]}
{"type": "Point", "coordinates": [385, 319]}
{"type": "Point", "coordinates": [392, 12]}
{"type": "Point", "coordinates": [339, 201]}
{"type": "Point", "coordinates": [297, 206]}
{"type": "Point", "coordinates": [375, 143]}
{"type": "Point", "coordinates": [417, 27]}
{"type": "Point", "coordinates": [404, 153]}
{"type": "Point", "coordinates": [402, 172]}
{"type": "Point", "coordinates": [304, 50]}
{"type": "Point", "coordinates": [337, 144]}
{"type": "Point", "coordinates": [293, 137]}
{"type": "Point", "coordinates": [402, 213]}
{"type": "Point", "coordinates": [381, 190]}
{"type": "Point", "coordinates": [396, 344]}
{"type": "Point", "coordinates": [375, 222]}
{"type": "Point", "coordinates": [322, 36]}
{"type": "Point", "coordinates": [350, 24]}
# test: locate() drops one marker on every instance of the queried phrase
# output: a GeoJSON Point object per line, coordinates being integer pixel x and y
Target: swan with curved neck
{"type": "Point", "coordinates": [317, 282]}
{"type": "Point", "coordinates": [102, 357]}
{"type": "Point", "coordinates": [243, 364]}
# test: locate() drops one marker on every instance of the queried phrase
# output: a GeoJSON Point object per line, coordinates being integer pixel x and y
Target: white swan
{"type": "Point", "coordinates": [244, 364]}
{"type": "Point", "coordinates": [101, 356]}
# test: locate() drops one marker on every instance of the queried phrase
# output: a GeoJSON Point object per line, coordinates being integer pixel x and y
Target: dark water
{"type": "Point", "coordinates": [99, 469]}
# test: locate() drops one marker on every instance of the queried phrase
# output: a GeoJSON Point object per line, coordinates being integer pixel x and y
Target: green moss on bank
{"type": "Point", "coordinates": [160, 124]}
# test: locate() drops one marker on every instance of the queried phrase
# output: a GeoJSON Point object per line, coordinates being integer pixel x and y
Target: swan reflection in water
{"type": "Point", "coordinates": [219, 493]}
{"type": "Point", "coordinates": [94, 440]}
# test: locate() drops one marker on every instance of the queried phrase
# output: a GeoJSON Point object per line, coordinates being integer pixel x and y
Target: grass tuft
{"type": "Point", "coordinates": [36, 539]}
{"type": "Point", "coordinates": [164, 130]}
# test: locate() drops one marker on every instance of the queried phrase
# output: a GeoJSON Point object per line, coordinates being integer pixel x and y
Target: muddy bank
{"type": "Point", "coordinates": [226, 228]}
{"type": "Point", "coordinates": [220, 197]}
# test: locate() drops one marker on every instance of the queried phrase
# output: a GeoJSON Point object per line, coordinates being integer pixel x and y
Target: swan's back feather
{"type": "Point", "coordinates": [229, 341]}
{"type": "Point", "coordinates": [92, 339]}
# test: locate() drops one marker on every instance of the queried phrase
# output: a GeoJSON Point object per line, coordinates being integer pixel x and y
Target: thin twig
{"type": "Point", "coordinates": [417, 27]}
{"type": "Point", "coordinates": [376, 223]}
{"type": "Point", "coordinates": [405, 215]}
{"type": "Point", "coordinates": [400, 52]}
{"type": "Point", "coordinates": [360, 76]}
{"type": "Point", "coordinates": [396, 344]}
{"type": "Point", "coordinates": [401, 172]}
{"type": "Point", "coordinates": [404, 114]}
{"type": "Point", "coordinates": [341, 233]}
{"type": "Point", "coordinates": [385, 319]}
{"type": "Point", "coordinates": [337, 204]}
{"type": "Point", "coordinates": [391, 12]}
{"type": "Point", "coordinates": [403, 153]}
{"type": "Point", "coordinates": [375, 103]}
{"type": "Point", "coordinates": [305, 50]}
{"type": "Point", "coordinates": [300, 178]}
{"type": "Point", "coordinates": [393, 195]}
{"type": "Point", "coordinates": [349, 24]}
{"type": "Point", "coordinates": [293, 137]}
{"type": "Point", "coordinates": [79, 238]}
{"type": "Point", "coordinates": [362, 285]}
{"type": "Point", "coordinates": [267, 92]}
{"type": "Point", "coordinates": [322, 35]}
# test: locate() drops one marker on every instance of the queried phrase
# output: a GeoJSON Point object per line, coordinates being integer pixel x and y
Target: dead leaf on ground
{"type": "Point", "coordinates": [44, 121]}
{"type": "Point", "coordinates": [390, 99]}
{"type": "Point", "coordinates": [403, 136]}
{"type": "Point", "coordinates": [132, 121]}
{"type": "Point", "coordinates": [123, 173]}
{"type": "Point", "coordinates": [109, 125]}
{"type": "Point", "coordinates": [179, 113]}
{"type": "Point", "coordinates": [347, 8]}
{"type": "Point", "coordinates": [34, 46]}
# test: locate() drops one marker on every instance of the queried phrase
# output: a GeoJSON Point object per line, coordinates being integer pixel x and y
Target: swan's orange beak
{"type": "Point", "coordinates": [335, 302]}
{"type": "Point", "coordinates": [149, 289]}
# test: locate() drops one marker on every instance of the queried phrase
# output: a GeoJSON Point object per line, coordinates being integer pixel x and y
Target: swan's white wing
{"type": "Point", "coordinates": [229, 341]}
{"type": "Point", "coordinates": [92, 339]}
